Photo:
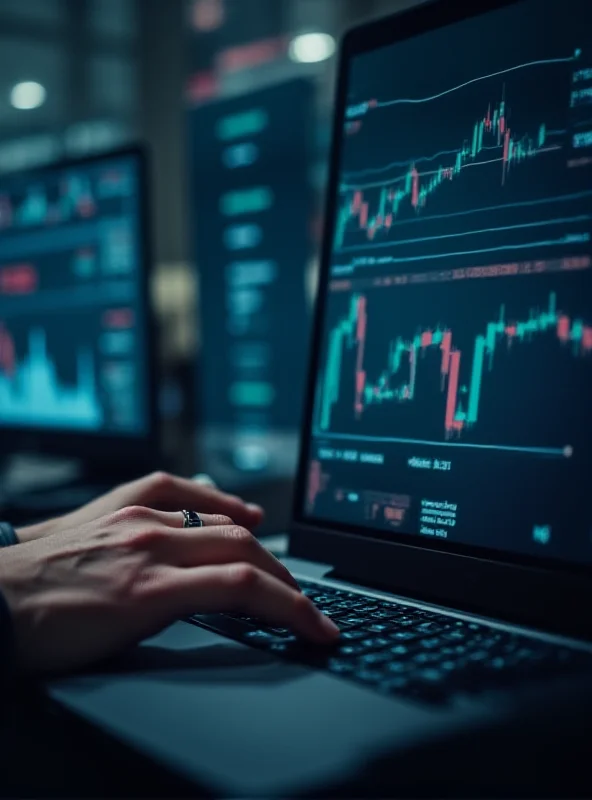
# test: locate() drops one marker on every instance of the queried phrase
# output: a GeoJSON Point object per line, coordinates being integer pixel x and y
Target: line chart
{"type": "Point", "coordinates": [583, 238]}
{"type": "Point", "coordinates": [508, 448]}
{"type": "Point", "coordinates": [414, 100]}
{"type": "Point", "coordinates": [581, 218]}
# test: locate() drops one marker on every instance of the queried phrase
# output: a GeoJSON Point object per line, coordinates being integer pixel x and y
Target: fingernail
{"type": "Point", "coordinates": [254, 508]}
{"type": "Point", "coordinates": [330, 629]}
{"type": "Point", "coordinates": [205, 480]}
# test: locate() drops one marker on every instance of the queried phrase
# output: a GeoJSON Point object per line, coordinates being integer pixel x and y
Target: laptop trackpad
{"type": "Point", "coordinates": [239, 721]}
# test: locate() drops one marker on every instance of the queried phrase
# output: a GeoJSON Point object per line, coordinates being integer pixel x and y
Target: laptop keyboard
{"type": "Point", "coordinates": [402, 650]}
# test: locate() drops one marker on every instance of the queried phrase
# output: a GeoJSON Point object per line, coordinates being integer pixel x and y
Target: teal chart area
{"type": "Point", "coordinates": [454, 378]}
{"type": "Point", "coordinates": [32, 388]}
{"type": "Point", "coordinates": [72, 317]}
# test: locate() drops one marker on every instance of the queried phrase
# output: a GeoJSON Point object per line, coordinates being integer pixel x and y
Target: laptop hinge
{"type": "Point", "coordinates": [554, 601]}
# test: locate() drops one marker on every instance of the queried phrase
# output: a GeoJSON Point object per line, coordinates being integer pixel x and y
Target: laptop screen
{"type": "Point", "coordinates": [452, 397]}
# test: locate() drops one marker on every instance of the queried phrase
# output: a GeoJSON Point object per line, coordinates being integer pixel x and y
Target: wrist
{"type": "Point", "coordinates": [37, 531]}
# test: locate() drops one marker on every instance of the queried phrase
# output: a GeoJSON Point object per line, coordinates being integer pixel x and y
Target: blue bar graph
{"type": "Point", "coordinates": [31, 393]}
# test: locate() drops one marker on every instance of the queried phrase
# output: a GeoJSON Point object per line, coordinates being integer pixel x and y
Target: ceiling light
{"type": "Point", "coordinates": [308, 48]}
{"type": "Point", "coordinates": [208, 15]}
{"type": "Point", "coordinates": [27, 95]}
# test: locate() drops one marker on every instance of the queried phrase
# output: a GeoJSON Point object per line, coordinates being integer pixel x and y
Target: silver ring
{"type": "Point", "coordinates": [191, 519]}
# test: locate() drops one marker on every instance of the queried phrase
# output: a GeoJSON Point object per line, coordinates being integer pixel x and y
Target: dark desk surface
{"type": "Point", "coordinates": [45, 753]}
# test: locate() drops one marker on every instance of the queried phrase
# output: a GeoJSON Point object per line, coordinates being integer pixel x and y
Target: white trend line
{"type": "Point", "coordinates": [475, 80]}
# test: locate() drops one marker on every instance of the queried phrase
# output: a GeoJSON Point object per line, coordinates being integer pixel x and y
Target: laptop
{"type": "Point", "coordinates": [441, 509]}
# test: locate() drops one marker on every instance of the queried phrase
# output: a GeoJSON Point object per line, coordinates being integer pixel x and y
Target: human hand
{"type": "Point", "coordinates": [160, 491]}
{"type": "Point", "coordinates": [87, 592]}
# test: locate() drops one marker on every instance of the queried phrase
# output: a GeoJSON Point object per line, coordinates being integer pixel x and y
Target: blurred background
{"type": "Point", "coordinates": [233, 99]}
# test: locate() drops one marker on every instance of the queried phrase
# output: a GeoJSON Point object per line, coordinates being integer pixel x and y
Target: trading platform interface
{"type": "Point", "coordinates": [72, 350]}
{"type": "Point", "coordinates": [452, 399]}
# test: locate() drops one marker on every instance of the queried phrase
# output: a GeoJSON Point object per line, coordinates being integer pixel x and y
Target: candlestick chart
{"type": "Point", "coordinates": [472, 170]}
{"type": "Point", "coordinates": [492, 141]}
{"type": "Point", "coordinates": [445, 376]}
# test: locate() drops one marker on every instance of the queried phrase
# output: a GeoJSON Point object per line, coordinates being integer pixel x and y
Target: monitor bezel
{"type": "Point", "coordinates": [544, 592]}
{"type": "Point", "coordinates": [121, 452]}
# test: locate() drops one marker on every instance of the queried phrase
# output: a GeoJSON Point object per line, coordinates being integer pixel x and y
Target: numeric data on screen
{"type": "Point", "coordinates": [452, 398]}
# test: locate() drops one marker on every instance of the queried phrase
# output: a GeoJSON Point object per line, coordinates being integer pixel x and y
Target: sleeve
{"type": "Point", "coordinates": [8, 535]}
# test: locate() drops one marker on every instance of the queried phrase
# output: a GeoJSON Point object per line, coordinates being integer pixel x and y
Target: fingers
{"type": "Point", "coordinates": [225, 545]}
{"type": "Point", "coordinates": [169, 492]}
{"type": "Point", "coordinates": [242, 587]}
{"type": "Point", "coordinates": [175, 519]}
{"type": "Point", "coordinates": [220, 541]}
{"type": "Point", "coordinates": [204, 479]}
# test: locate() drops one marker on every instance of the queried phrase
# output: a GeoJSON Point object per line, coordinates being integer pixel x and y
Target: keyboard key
{"type": "Point", "coordinates": [426, 658]}
{"type": "Point", "coordinates": [355, 649]}
{"type": "Point", "coordinates": [337, 612]}
{"type": "Point", "coordinates": [431, 643]}
{"type": "Point", "coordinates": [456, 635]}
{"type": "Point", "coordinates": [353, 635]}
{"type": "Point", "coordinates": [431, 627]}
{"type": "Point", "coordinates": [362, 605]}
{"type": "Point", "coordinates": [498, 663]}
{"type": "Point", "coordinates": [427, 615]}
{"type": "Point", "coordinates": [376, 643]}
{"type": "Point", "coordinates": [403, 636]}
{"type": "Point", "coordinates": [376, 658]}
{"type": "Point", "coordinates": [400, 650]}
{"type": "Point", "coordinates": [384, 613]}
{"type": "Point", "coordinates": [478, 656]}
{"type": "Point", "coordinates": [350, 622]}
{"type": "Point", "coordinates": [432, 676]}
{"type": "Point", "coordinates": [379, 627]}
{"type": "Point", "coordinates": [399, 667]}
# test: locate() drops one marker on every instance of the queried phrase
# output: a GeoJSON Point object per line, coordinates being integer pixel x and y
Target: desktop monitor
{"type": "Point", "coordinates": [252, 212]}
{"type": "Point", "coordinates": [75, 330]}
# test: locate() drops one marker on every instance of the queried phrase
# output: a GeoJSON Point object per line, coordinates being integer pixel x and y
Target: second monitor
{"type": "Point", "coordinates": [75, 355]}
